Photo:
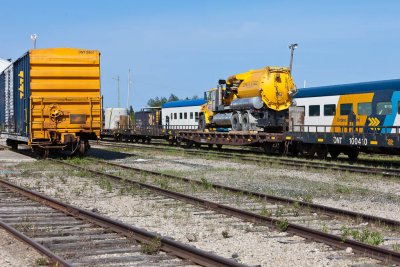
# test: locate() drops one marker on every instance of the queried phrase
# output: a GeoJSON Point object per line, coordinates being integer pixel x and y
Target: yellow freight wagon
{"type": "Point", "coordinates": [53, 100]}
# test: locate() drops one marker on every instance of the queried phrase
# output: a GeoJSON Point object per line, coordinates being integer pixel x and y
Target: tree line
{"type": "Point", "coordinates": [159, 101]}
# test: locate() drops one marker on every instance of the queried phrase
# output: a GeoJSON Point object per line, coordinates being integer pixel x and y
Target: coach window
{"type": "Point", "coordinates": [346, 109]}
{"type": "Point", "coordinates": [364, 109]}
{"type": "Point", "coordinates": [384, 108]}
{"type": "Point", "coordinates": [314, 110]}
{"type": "Point", "coordinates": [185, 115]}
{"type": "Point", "coordinates": [172, 116]}
{"type": "Point", "coordinates": [329, 110]}
{"type": "Point", "coordinates": [180, 115]}
{"type": "Point", "coordinates": [196, 116]}
{"type": "Point", "coordinates": [191, 115]}
{"type": "Point", "coordinates": [175, 116]}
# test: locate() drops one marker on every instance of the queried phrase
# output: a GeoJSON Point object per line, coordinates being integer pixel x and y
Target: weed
{"type": "Point", "coordinates": [396, 247]}
{"type": "Point", "coordinates": [41, 262]}
{"type": "Point", "coordinates": [105, 184]}
{"type": "Point", "coordinates": [206, 184]}
{"type": "Point", "coordinates": [341, 189]}
{"type": "Point", "coordinates": [143, 179]}
{"type": "Point", "coordinates": [325, 228]}
{"type": "Point", "coordinates": [279, 211]}
{"type": "Point", "coordinates": [365, 236]}
{"type": "Point", "coordinates": [193, 187]}
{"type": "Point", "coordinates": [151, 248]}
{"type": "Point", "coordinates": [163, 183]}
{"type": "Point", "coordinates": [81, 173]}
{"type": "Point", "coordinates": [225, 234]}
{"type": "Point", "coordinates": [265, 212]}
{"type": "Point", "coordinates": [282, 225]}
{"type": "Point", "coordinates": [308, 198]}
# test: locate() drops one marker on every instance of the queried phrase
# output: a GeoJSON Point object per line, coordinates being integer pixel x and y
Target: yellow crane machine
{"type": "Point", "coordinates": [253, 100]}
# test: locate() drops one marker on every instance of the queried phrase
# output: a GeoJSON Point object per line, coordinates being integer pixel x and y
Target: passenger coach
{"type": "Point", "coordinates": [355, 117]}
{"type": "Point", "coordinates": [183, 114]}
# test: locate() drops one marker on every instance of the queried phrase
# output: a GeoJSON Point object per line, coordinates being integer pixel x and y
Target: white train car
{"type": "Point", "coordinates": [183, 114]}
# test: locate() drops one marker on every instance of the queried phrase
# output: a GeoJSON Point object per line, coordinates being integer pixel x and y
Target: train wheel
{"type": "Point", "coordinates": [322, 152]}
{"type": "Point", "coordinates": [235, 120]}
{"type": "Point", "coordinates": [334, 154]}
{"type": "Point", "coordinates": [210, 145]}
{"type": "Point", "coordinates": [245, 122]}
{"type": "Point", "coordinates": [82, 148]}
{"type": "Point", "coordinates": [41, 152]}
{"type": "Point", "coordinates": [197, 145]}
{"type": "Point", "coordinates": [219, 146]}
{"type": "Point", "coordinates": [268, 148]}
{"type": "Point", "coordinates": [148, 140]}
{"type": "Point", "coordinates": [310, 151]}
{"type": "Point", "coordinates": [14, 145]}
{"type": "Point", "coordinates": [189, 144]}
{"type": "Point", "coordinates": [45, 153]}
{"type": "Point", "coordinates": [353, 154]}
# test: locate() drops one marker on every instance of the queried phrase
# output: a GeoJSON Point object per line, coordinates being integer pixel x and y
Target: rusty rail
{"type": "Point", "coordinates": [388, 256]}
{"type": "Point", "coordinates": [168, 245]}
{"type": "Point", "coordinates": [54, 259]}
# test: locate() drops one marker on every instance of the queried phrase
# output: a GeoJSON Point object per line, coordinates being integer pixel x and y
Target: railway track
{"type": "Point", "coordinates": [70, 236]}
{"type": "Point", "coordinates": [391, 170]}
{"type": "Point", "coordinates": [295, 217]}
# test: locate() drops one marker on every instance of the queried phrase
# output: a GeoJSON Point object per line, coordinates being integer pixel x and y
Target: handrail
{"type": "Point", "coordinates": [314, 128]}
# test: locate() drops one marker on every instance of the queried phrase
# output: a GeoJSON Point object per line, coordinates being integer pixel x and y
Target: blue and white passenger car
{"type": "Point", "coordinates": [348, 118]}
{"type": "Point", "coordinates": [183, 114]}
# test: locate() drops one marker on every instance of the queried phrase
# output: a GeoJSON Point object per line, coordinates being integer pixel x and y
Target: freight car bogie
{"type": "Point", "coordinates": [77, 147]}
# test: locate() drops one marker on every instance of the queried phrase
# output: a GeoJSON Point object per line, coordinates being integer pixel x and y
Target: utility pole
{"type": "Point", "coordinates": [34, 38]}
{"type": "Point", "coordinates": [129, 88]}
{"type": "Point", "coordinates": [292, 47]}
{"type": "Point", "coordinates": [117, 79]}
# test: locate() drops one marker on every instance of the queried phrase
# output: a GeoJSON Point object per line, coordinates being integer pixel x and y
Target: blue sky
{"type": "Point", "coordinates": [185, 46]}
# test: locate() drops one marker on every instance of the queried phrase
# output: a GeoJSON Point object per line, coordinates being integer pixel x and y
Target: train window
{"type": "Point", "coordinates": [384, 108]}
{"type": "Point", "coordinates": [180, 116]}
{"type": "Point", "coordinates": [346, 109]}
{"type": "Point", "coordinates": [364, 109]}
{"type": "Point", "coordinates": [313, 110]}
{"type": "Point", "coordinates": [196, 116]}
{"type": "Point", "coordinates": [329, 110]}
{"type": "Point", "coordinates": [191, 115]}
{"type": "Point", "coordinates": [185, 115]}
{"type": "Point", "coordinates": [175, 117]}
{"type": "Point", "coordinates": [172, 116]}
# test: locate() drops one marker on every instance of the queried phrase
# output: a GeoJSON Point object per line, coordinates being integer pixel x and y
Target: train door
{"type": "Point", "coordinates": [296, 119]}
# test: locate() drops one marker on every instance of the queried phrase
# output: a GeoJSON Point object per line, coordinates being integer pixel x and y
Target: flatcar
{"type": "Point", "coordinates": [52, 100]}
{"type": "Point", "coordinates": [159, 122]}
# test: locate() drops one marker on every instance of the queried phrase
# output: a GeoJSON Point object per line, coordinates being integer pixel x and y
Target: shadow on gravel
{"type": "Point", "coordinates": [107, 154]}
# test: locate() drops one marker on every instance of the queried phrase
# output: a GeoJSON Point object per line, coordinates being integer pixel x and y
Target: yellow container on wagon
{"type": "Point", "coordinates": [58, 101]}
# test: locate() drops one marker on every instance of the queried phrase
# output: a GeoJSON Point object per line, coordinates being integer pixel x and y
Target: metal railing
{"type": "Point", "coordinates": [344, 129]}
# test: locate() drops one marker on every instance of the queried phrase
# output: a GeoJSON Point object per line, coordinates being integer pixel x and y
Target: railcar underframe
{"type": "Point", "coordinates": [309, 140]}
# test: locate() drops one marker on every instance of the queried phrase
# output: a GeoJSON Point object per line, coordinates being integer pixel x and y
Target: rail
{"type": "Point", "coordinates": [389, 256]}
{"type": "Point", "coordinates": [168, 245]}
